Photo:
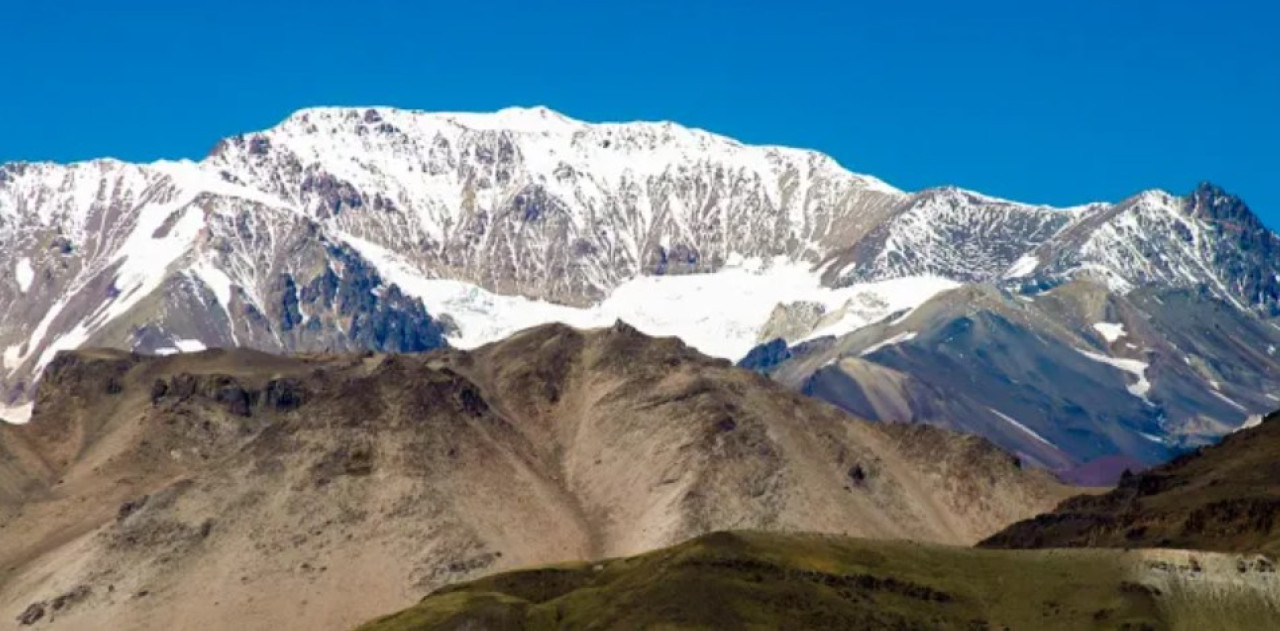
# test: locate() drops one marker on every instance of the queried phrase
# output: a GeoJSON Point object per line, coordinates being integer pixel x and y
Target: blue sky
{"type": "Point", "coordinates": [1061, 102]}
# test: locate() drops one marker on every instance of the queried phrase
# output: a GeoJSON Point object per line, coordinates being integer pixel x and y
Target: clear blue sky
{"type": "Point", "coordinates": [1060, 102]}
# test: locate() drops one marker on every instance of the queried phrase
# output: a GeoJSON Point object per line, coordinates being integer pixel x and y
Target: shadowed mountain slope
{"type": "Point", "coordinates": [1224, 497]}
{"type": "Point", "coordinates": [1070, 378]}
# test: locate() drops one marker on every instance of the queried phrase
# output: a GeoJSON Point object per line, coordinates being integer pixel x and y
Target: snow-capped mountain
{"type": "Point", "coordinates": [950, 232]}
{"type": "Point", "coordinates": [1064, 377]}
{"type": "Point", "coordinates": [165, 258]}
{"type": "Point", "coordinates": [527, 201]}
{"type": "Point", "coordinates": [1208, 240]}
{"type": "Point", "coordinates": [388, 229]}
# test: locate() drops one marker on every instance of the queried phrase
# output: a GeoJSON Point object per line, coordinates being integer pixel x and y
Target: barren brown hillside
{"type": "Point", "coordinates": [234, 489]}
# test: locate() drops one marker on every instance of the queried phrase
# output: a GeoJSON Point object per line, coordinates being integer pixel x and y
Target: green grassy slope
{"type": "Point", "coordinates": [758, 580]}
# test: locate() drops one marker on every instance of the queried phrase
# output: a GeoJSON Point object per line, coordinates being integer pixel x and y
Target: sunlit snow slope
{"type": "Point", "coordinates": [720, 313]}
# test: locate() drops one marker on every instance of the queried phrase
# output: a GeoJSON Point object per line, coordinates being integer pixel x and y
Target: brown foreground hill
{"type": "Point", "coordinates": [1224, 497]}
{"type": "Point", "coordinates": [235, 489]}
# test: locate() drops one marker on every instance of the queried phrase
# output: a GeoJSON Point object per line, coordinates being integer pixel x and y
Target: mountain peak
{"type": "Point", "coordinates": [1210, 201]}
{"type": "Point", "coordinates": [1209, 188]}
{"type": "Point", "coordinates": [537, 118]}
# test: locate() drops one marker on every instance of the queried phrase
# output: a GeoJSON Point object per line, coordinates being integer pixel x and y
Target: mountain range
{"type": "Point", "coordinates": [1086, 339]}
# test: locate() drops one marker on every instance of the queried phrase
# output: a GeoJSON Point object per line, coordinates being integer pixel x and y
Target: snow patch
{"type": "Point", "coordinates": [897, 339]}
{"type": "Point", "coordinates": [24, 274]}
{"type": "Point", "coordinates": [719, 314]}
{"type": "Point", "coordinates": [868, 302]}
{"type": "Point", "coordinates": [1022, 427]}
{"type": "Point", "coordinates": [189, 346]}
{"type": "Point", "coordinates": [1254, 420]}
{"type": "Point", "coordinates": [1135, 367]}
{"type": "Point", "coordinates": [1228, 401]}
{"type": "Point", "coordinates": [216, 280]}
{"type": "Point", "coordinates": [16, 414]}
{"type": "Point", "coordinates": [12, 357]}
{"type": "Point", "coordinates": [1151, 437]}
{"type": "Point", "coordinates": [1024, 266]}
{"type": "Point", "coordinates": [1110, 331]}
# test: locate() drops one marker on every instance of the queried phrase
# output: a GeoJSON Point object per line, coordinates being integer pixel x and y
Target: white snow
{"type": "Point", "coordinates": [1151, 437]}
{"type": "Point", "coordinates": [1022, 427]}
{"type": "Point", "coordinates": [16, 414]}
{"type": "Point", "coordinates": [869, 302]}
{"type": "Point", "coordinates": [191, 176]}
{"type": "Point", "coordinates": [221, 285]}
{"type": "Point", "coordinates": [585, 164]}
{"type": "Point", "coordinates": [1024, 266]}
{"type": "Point", "coordinates": [189, 346]}
{"type": "Point", "coordinates": [526, 120]}
{"type": "Point", "coordinates": [1254, 420]}
{"type": "Point", "coordinates": [24, 274]}
{"type": "Point", "coordinates": [144, 261]}
{"type": "Point", "coordinates": [1228, 401]}
{"type": "Point", "coordinates": [216, 280]}
{"type": "Point", "coordinates": [1110, 331]}
{"type": "Point", "coordinates": [896, 339]}
{"type": "Point", "coordinates": [720, 314]}
{"type": "Point", "coordinates": [11, 358]}
{"type": "Point", "coordinates": [1141, 388]}
{"type": "Point", "coordinates": [1135, 367]}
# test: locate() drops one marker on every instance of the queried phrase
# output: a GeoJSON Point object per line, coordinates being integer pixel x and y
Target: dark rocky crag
{"type": "Point", "coordinates": [1224, 497]}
